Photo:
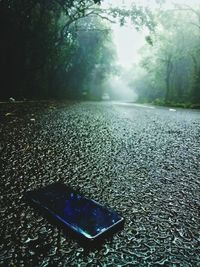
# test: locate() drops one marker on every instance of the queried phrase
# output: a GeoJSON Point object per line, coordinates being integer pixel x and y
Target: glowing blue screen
{"type": "Point", "coordinates": [81, 214]}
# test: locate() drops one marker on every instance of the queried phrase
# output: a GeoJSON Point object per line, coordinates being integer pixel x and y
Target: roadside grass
{"type": "Point", "coordinates": [160, 102]}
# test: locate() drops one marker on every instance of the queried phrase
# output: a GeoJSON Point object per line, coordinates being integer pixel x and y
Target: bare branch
{"type": "Point", "coordinates": [198, 26]}
{"type": "Point", "coordinates": [104, 17]}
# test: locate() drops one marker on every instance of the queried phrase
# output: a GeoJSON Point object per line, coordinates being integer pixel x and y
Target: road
{"type": "Point", "coordinates": [142, 161]}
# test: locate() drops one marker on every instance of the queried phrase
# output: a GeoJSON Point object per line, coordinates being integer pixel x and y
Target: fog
{"type": "Point", "coordinates": [129, 43]}
{"type": "Point", "coordinates": [84, 56]}
{"type": "Point", "coordinates": [119, 89]}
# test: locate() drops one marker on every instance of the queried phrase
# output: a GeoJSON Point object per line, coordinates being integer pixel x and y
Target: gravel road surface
{"type": "Point", "coordinates": [141, 161]}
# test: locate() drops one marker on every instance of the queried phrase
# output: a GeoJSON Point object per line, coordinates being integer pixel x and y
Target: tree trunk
{"type": "Point", "coordinates": [168, 76]}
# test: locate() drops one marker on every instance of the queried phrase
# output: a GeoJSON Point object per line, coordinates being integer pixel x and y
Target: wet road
{"type": "Point", "coordinates": [142, 161]}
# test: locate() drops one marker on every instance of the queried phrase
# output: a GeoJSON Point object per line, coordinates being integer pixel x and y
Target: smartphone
{"type": "Point", "coordinates": [87, 219]}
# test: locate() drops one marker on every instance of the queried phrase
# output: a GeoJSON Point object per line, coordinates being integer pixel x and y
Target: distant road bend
{"type": "Point", "coordinates": [140, 160]}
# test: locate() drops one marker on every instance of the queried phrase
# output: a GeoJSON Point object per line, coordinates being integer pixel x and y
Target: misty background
{"type": "Point", "coordinates": [144, 51]}
{"type": "Point", "coordinates": [130, 43]}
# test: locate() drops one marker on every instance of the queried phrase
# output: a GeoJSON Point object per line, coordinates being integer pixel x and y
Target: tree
{"type": "Point", "coordinates": [171, 59]}
{"type": "Point", "coordinates": [41, 45]}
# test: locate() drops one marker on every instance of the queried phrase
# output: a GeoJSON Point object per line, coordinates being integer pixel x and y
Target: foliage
{"type": "Point", "coordinates": [169, 71]}
{"type": "Point", "coordinates": [138, 15]}
{"type": "Point", "coordinates": [56, 48]}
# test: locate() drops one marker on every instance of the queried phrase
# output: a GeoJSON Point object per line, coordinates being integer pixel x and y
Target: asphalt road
{"type": "Point", "coordinates": [143, 162]}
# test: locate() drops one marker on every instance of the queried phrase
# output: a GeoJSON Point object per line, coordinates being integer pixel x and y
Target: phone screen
{"type": "Point", "coordinates": [81, 214]}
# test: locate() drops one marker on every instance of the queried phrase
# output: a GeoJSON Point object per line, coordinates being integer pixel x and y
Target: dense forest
{"type": "Point", "coordinates": [58, 48]}
{"type": "Point", "coordinates": [51, 48]}
{"type": "Point", "coordinates": [64, 49]}
{"type": "Point", "coordinates": [169, 71]}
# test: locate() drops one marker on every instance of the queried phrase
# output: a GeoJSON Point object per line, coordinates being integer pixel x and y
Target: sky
{"type": "Point", "coordinates": [126, 39]}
